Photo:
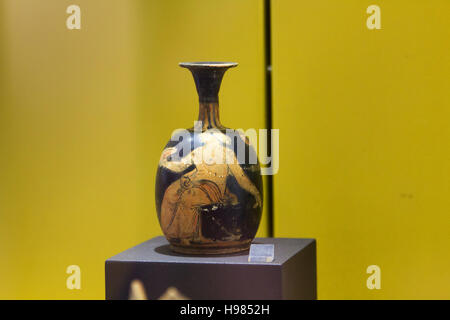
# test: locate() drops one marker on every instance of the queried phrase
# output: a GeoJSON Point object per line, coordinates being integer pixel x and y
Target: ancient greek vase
{"type": "Point", "coordinates": [208, 184]}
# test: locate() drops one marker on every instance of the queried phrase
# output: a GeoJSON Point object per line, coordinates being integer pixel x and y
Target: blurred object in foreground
{"type": "Point", "coordinates": [172, 293]}
{"type": "Point", "coordinates": [137, 292]}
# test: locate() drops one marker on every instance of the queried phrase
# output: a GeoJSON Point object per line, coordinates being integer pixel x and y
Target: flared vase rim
{"type": "Point", "coordinates": [208, 64]}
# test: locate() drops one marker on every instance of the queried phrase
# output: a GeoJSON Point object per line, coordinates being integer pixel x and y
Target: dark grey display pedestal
{"type": "Point", "coordinates": [292, 274]}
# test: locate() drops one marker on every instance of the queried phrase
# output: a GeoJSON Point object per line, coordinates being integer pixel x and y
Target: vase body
{"type": "Point", "coordinates": [208, 183]}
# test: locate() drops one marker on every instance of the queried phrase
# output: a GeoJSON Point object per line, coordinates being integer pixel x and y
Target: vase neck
{"type": "Point", "coordinates": [208, 114]}
{"type": "Point", "coordinates": [208, 77]}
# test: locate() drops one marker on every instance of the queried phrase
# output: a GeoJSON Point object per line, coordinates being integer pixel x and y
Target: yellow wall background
{"type": "Point", "coordinates": [68, 147]}
{"type": "Point", "coordinates": [363, 118]}
{"type": "Point", "coordinates": [84, 116]}
{"type": "Point", "coordinates": [365, 142]}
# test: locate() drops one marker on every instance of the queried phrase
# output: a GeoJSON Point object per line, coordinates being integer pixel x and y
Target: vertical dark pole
{"type": "Point", "coordinates": [268, 75]}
